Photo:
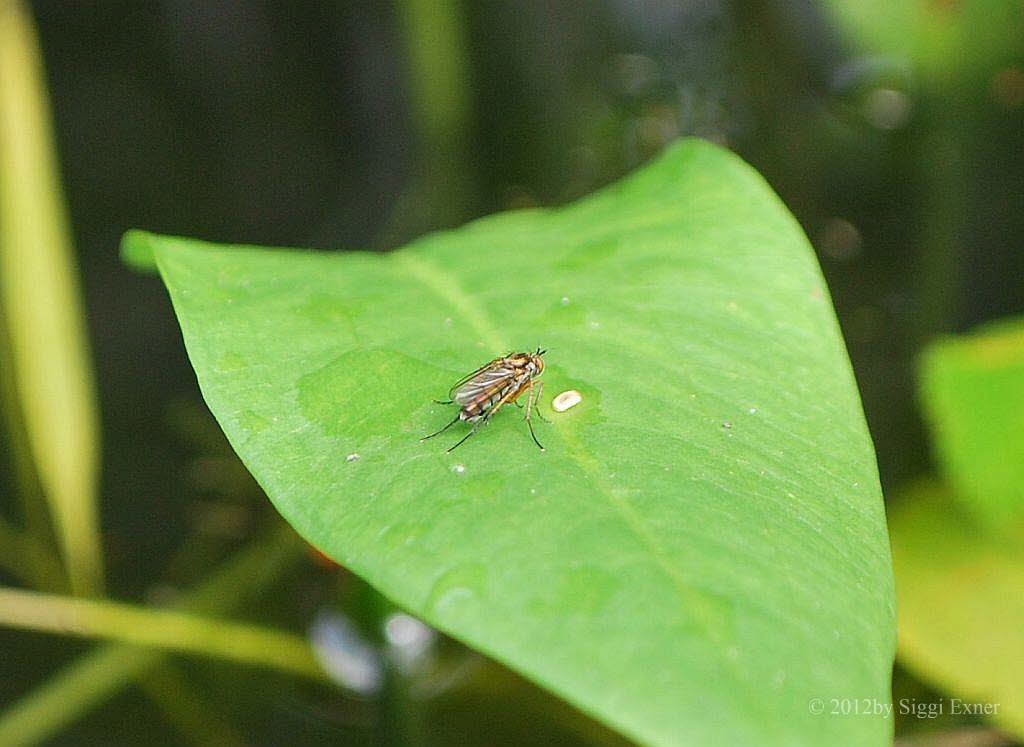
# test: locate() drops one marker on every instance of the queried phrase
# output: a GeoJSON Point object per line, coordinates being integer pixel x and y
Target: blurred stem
{"type": "Point", "coordinates": [35, 567]}
{"type": "Point", "coordinates": [99, 674]}
{"type": "Point", "coordinates": [29, 560]}
{"type": "Point", "coordinates": [48, 353]}
{"type": "Point", "coordinates": [940, 149]}
{"type": "Point", "coordinates": [401, 715]}
{"type": "Point", "coordinates": [66, 696]}
{"type": "Point", "coordinates": [169, 688]}
{"type": "Point", "coordinates": [435, 41]}
{"type": "Point", "coordinates": [178, 631]}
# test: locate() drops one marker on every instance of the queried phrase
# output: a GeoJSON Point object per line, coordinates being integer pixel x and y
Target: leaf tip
{"type": "Point", "coordinates": [137, 250]}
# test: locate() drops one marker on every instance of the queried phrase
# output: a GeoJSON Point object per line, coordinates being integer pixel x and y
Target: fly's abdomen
{"type": "Point", "coordinates": [485, 401]}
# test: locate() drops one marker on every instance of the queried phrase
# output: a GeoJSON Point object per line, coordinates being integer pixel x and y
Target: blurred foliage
{"type": "Point", "coordinates": [951, 44]}
{"type": "Point", "coordinates": [960, 605]}
{"type": "Point", "coordinates": [894, 131]}
{"type": "Point", "coordinates": [958, 548]}
{"type": "Point", "coordinates": [972, 390]}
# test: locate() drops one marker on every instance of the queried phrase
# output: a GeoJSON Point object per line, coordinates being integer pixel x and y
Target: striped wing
{"type": "Point", "coordinates": [482, 383]}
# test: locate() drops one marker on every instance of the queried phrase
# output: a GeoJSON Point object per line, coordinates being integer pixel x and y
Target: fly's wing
{"type": "Point", "coordinates": [490, 364]}
{"type": "Point", "coordinates": [469, 376]}
{"type": "Point", "coordinates": [481, 382]}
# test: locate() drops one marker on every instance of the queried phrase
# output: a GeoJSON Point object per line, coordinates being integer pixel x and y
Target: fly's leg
{"type": "Point", "coordinates": [540, 391]}
{"type": "Point", "coordinates": [438, 433]}
{"type": "Point", "coordinates": [535, 402]}
{"type": "Point", "coordinates": [463, 439]}
{"type": "Point", "coordinates": [443, 401]}
{"type": "Point", "coordinates": [529, 409]}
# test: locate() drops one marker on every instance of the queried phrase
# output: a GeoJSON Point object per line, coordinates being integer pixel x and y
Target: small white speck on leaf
{"type": "Point", "coordinates": [565, 300]}
{"type": "Point", "coordinates": [352, 458]}
{"type": "Point", "coordinates": [458, 468]}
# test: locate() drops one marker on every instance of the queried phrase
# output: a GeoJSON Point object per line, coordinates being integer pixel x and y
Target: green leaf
{"type": "Point", "coordinates": [701, 549]}
{"type": "Point", "coordinates": [960, 603]}
{"type": "Point", "coordinates": [972, 388]}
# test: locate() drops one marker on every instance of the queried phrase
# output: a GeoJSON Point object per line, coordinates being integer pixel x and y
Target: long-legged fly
{"type": "Point", "coordinates": [482, 393]}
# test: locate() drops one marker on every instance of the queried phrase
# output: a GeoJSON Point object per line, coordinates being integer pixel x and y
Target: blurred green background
{"type": "Point", "coordinates": [893, 130]}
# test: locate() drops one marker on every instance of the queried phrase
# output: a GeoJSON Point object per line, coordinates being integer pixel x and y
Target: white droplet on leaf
{"type": "Point", "coordinates": [565, 400]}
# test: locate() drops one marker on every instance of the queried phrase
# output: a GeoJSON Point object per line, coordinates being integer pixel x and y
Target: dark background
{"type": "Point", "coordinates": [309, 124]}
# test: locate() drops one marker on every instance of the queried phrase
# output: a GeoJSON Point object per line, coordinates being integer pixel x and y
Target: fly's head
{"type": "Point", "coordinates": [537, 362]}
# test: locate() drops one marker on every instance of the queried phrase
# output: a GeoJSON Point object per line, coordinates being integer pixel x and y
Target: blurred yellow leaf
{"type": "Point", "coordinates": [960, 601]}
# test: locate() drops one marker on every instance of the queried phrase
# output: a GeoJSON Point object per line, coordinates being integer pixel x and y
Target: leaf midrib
{"type": "Point", "coordinates": [446, 287]}
{"type": "Point", "coordinates": [706, 618]}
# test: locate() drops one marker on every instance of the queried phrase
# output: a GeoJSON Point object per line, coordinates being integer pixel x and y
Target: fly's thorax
{"type": "Point", "coordinates": [531, 363]}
